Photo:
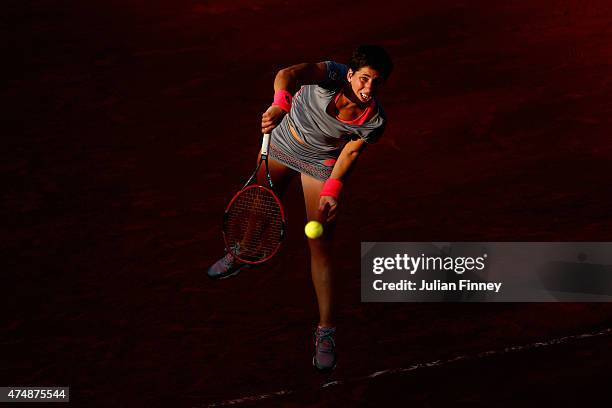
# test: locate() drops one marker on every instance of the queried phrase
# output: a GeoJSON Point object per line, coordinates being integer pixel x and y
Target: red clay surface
{"type": "Point", "coordinates": [130, 124]}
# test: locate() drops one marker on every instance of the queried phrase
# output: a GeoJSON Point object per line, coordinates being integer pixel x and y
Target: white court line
{"type": "Point", "coordinates": [436, 363]}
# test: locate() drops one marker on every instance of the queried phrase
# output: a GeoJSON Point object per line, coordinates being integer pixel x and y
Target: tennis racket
{"type": "Point", "coordinates": [254, 220]}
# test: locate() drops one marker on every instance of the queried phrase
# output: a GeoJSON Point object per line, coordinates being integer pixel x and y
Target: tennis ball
{"type": "Point", "coordinates": [313, 229]}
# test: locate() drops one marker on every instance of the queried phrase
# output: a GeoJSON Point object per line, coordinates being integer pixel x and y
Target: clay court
{"type": "Point", "coordinates": [129, 125]}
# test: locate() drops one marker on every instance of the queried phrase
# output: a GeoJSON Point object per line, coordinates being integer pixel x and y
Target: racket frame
{"type": "Point", "coordinates": [263, 158]}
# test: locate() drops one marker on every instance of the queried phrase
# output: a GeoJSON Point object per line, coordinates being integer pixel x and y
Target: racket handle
{"type": "Point", "coordinates": [264, 144]}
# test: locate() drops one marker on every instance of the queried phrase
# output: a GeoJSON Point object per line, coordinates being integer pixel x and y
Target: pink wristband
{"type": "Point", "coordinates": [331, 188]}
{"type": "Point", "coordinates": [282, 99]}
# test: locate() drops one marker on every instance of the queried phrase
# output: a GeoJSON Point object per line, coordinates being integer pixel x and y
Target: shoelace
{"type": "Point", "coordinates": [229, 259]}
{"type": "Point", "coordinates": [325, 340]}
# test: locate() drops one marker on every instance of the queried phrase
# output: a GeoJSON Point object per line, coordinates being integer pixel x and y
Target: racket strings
{"type": "Point", "coordinates": [254, 224]}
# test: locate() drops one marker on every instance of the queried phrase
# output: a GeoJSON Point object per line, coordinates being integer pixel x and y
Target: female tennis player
{"type": "Point", "coordinates": [322, 118]}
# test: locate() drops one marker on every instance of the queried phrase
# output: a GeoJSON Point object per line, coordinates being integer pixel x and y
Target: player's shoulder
{"type": "Point", "coordinates": [335, 75]}
{"type": "Point", "coordinates": [335, 70]}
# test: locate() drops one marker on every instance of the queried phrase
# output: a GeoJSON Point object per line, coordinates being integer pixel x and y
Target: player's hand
{"type": "Point", "coordinates": [328, 208]}
{"type": "Point", "coordinates": [271, 118]}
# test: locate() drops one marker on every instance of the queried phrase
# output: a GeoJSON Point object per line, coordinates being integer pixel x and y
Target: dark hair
{"type": "Point", "coordinates": [371, 56]}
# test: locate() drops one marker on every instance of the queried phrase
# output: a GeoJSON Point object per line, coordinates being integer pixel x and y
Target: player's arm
{"type": "Point", "coordinates": [343, 167]}
{"type": "Point", "coordinates": [289, 80]}
{"type": "Point", "coordinates": [292, 78]}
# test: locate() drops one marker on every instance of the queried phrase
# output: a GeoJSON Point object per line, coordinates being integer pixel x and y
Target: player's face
{"type": "Point", "coordinates": [365, 83]}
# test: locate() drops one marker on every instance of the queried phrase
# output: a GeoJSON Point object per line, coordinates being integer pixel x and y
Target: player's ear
{"type": "Point", "coordinates": [349, 74]}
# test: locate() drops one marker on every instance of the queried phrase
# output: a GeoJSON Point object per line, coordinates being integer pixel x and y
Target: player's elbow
{"type": "Point", "coordinates": [352, 154]}
{"type": "Point", "coordinates": [354, 148]}
{"type": "Point", "coordinates": [294, 71]}
{"type": "Point", "coordinates": [286, 73]}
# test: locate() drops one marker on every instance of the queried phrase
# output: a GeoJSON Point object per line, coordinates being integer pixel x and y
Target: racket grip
{"type": "Point", "coordinates": [264, 144]}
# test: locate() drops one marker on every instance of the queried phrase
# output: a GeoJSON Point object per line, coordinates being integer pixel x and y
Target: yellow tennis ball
{"type": "Point", "coordinates": [313, 229]}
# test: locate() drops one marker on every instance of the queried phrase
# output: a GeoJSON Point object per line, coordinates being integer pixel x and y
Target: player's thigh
{"type": "Point", "coordinates": [311, 188]}
{"type": "Point", "coordinates": [281, 175]}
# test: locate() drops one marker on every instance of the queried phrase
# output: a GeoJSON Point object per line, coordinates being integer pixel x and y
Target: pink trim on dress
{"type": "Point", "coordinates": [329, 162]}
{"type": "Point", "coordinates": [361, 119]}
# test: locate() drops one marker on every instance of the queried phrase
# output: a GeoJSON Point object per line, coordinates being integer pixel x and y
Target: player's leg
{"type": "Point", "coordinates": [320, 251]}
{"type": "Point", "coordinates": [281, 175]}
{"type": "Point", "coordinates": [322, 271]}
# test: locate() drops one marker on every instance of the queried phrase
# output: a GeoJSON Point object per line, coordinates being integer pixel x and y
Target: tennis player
{"type": "Point", "coordinates": [322, 118]}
